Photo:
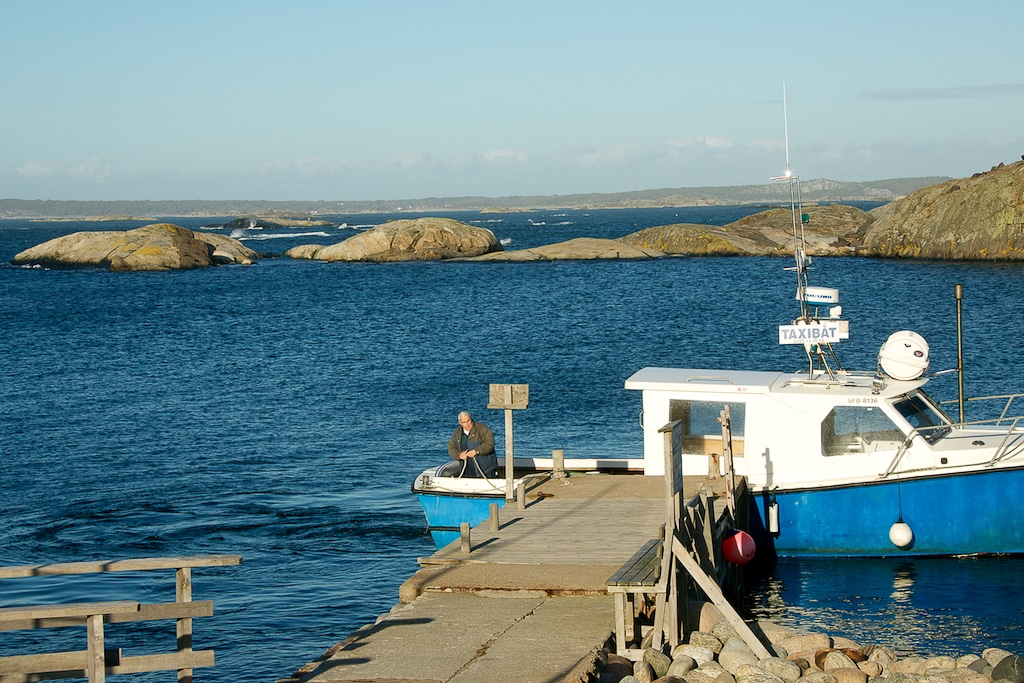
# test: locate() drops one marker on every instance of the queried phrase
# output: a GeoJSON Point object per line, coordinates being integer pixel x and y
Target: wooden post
{"type": "Point", "coordinates": [464, 544]}
{"type": "Point", "coordinates": [97, 657]}
{"type": "Point", "coordinates": [730, 478]}
{"type": "Point", "coordinates": [509, 397]}
{"type": "Point", "coordinates": [558, 463]}
{"type": "Point", "coordinates": [494, 517]}
{"type": "Point", "coordinates": [183, 593]}
{"type": "Point", "coordinates": [509, 457]}
{"type": "Point", "coordinates": [521, 495]}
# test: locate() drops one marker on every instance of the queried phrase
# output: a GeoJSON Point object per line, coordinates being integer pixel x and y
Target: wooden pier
{"type": "Point", "coordinates": [534, 597]}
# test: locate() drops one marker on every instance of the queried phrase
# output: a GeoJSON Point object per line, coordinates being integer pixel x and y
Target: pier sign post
{"type": "Point", "coordinates": [509, 397]}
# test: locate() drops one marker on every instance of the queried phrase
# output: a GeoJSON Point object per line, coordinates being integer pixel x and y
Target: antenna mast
{"type": "Point", "coordinates": [796, 209]}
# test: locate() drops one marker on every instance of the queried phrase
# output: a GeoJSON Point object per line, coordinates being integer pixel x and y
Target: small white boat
{"type": "Point", "coordinates": [448, 499]}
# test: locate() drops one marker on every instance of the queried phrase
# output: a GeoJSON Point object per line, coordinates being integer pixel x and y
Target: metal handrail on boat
{"type": "Point", "coordinates": [1006, 408]}
{"type": "Point", "coordinates": [1003, 451]}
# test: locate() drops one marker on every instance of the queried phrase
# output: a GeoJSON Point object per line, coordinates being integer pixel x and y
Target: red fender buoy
{"type": "Point", "coordinates": [739, 548]}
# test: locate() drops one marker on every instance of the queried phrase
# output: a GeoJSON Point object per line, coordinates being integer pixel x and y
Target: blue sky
{"type": "Point", "coordinates": [393, 99]}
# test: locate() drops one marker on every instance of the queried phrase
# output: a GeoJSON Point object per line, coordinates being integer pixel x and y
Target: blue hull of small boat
{"type": "Point", "coordinates": [446, 512]}
{"type": "Point", "coordinates": [963, 514]}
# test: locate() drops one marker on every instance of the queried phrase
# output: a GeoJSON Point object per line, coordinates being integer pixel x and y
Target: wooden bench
{"type": "Point", "coordinates": [639, 575]}
{"type": "Point", "coordinates": [97, 661]}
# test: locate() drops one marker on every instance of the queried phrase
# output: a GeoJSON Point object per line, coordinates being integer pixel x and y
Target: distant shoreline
{"type": "Point", "coordinates": [813, 191]}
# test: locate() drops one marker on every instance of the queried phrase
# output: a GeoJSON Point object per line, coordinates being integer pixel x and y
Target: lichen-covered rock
{"type": "Point", "coordinates": [699, 654]}
{"type": "Point", "coordinates": [775, 633]}
{"type": "Point", "coordinates": [803, 643]}
{"type": "Point", "coordinates": [704, 639]}
{"type": "Point", "coordinates": [966, 675]}
{"type": "Point", "coordinates": [819, 677]}
{"type": "Point", "coordinates": [752, 673]}
{"type": "Point", "coordinates": [848, 675]}
{"type": "Point", "coordinates": [681, 665]}
{"type": "Point", "coordinates": [872, 669]}
{"type": "Point", "coordinates": [834, 659]}
{"type": "Point", "coordinates": [935, 664]}
{"type": "Point", "coordinates": [643, 672]}
{"type": "Point", "coordinates": [981, 217]}
{"type": "Point", "coordinates": [578, 249]}
{"type": "Point", "coordinates": [160, 246]}
{"type": "Point", "coordinates": [994, 655]}
{"type": "Point", "coordinates": [683, 239]}
{"type": "Point", "coordinates": [658, 660]}
{"type": "Point", "coordinates": [732, 660]}
{"type": "Point", "coordinates": [783, 668]}
{"type": "Point", "coordinates": [1009, 669]}
{"type": "Point", "coordinates": [422, 239]}
{"type": "Point", "coordinates": [724, 631]}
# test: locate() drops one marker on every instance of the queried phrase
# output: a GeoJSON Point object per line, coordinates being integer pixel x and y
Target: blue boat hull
{"type": "Point", "coordinates": [446, 512]}
{"type": "Point", "coordinates": [963, 514]}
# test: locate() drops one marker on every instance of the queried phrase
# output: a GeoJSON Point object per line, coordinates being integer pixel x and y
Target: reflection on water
{"type": "Point", "coordinates": [942, 606]}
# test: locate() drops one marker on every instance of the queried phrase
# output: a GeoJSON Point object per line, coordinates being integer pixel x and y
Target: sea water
{"type": "Point", "coordinates": [280, 411]}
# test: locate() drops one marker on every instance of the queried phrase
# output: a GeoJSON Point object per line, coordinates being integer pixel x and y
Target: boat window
{"type": "Point", "coordinates": [702, 431]}
{"type": "Point", "coordinates": [923, 416]}
{"type": "Point", "coordinates": [858, 429]}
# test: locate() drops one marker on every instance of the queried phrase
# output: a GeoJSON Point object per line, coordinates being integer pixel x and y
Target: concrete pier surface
{"type": "Point", "coordinates": [528, 603]}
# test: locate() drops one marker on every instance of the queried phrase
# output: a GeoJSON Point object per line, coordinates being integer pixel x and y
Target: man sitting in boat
{"type": "Point", "coordinates": [473, 445]}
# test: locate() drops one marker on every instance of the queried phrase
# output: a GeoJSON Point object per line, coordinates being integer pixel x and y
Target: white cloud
{"type": "Point", "coordinates": [505, 156]}
{"type": "Point", "coordinates": [955, 93]}
{"type": "Point", "coordinates": [89, 170]}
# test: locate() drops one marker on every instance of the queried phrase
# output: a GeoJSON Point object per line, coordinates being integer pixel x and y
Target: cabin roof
{"type": "Point", "coordinates": [690, 379]}
{"type": "Point", "coordinates": [693, 380]}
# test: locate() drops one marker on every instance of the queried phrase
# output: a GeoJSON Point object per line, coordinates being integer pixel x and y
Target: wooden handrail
{"type": "Point", "coordinates": [129, 565]}
{"type": "Point", "coordinates": [94, 662]}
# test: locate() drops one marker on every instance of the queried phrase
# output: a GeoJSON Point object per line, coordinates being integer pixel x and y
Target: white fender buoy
{"type": "Point", "coordinates": [901, 535]}
{"type": "Point", "coordinates": [773, 517]}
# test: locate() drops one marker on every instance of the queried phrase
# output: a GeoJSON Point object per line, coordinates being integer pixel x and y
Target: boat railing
{"type": "Point", "coordinates": [1010, 445]}
{"type": "Point", "coordinates": [1003, 414]}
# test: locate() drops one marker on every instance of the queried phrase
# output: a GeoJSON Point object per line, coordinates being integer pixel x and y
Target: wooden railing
{"type": "Point", "coordinates": [96, 661]}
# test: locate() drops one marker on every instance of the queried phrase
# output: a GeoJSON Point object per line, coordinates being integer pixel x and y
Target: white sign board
{"type": "Point", "coordinates": [816, 332]}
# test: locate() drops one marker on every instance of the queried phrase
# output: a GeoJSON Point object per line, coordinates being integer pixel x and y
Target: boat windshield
{"type": "Point", "coordinates": [923, 416]}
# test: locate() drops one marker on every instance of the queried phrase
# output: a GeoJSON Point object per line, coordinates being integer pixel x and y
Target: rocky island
{"type": "Point", "coordinates": [976, 218]}
{"type": "Point", "coordinates": [160, 246]}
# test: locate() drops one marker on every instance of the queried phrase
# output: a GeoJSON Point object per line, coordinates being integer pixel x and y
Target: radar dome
{"type": "Point", "coordinates": [904, 355]}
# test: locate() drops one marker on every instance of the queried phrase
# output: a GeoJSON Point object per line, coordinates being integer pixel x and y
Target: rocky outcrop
{"type": "Point", "coordinates": [831, 230]}
{"type": "Point", "coordinates": [423, 239]}
{"type": "Point", "coordinates": [579, 249]}
{"type": "Point", "coordinates": [684, 239]}
{"type": "Point", "coordinates": [160, 246]}
{"type": "Point", "coordinates": [981, 217]}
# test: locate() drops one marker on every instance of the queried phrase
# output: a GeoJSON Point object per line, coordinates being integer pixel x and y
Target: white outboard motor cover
{"type": "Point", "coordinates": [904, 355]}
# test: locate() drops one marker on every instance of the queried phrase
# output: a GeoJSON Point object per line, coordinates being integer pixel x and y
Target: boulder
{"type": "Point", "coordinates": [160, 246]}
{"type": "Point", "coordinates": [802, 643]}
{"type": "Point", "coordinates": [707, 640]}
{"type": "Point", "coordinates": [981, 217]}
{"type": "Point", "coordinates": [580, 249]}
{"type": "Point", "coordinates": [732, 660]}
{"type": "Point", "coordinates": [783, 668]}
{"type": "Point", "coordinates": [750, 673]}
{"type": "Point", "coordinates": [422, 239]}
{"type": "Point", "coordinates": [1009, 669]}
{"type": "Point", "coordinates": [659, 661]}
{"type": "Point", "coordinates": [681, 665]}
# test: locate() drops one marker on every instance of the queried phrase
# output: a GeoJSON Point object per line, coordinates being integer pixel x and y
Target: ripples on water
{"type": "Point", "coordinates": [280, 411]}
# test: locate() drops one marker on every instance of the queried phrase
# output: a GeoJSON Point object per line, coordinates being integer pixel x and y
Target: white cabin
{"type": "Point", "coordinates": [795, 431]}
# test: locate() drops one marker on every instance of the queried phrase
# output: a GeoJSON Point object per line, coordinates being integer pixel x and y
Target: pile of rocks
{"type": "Point", "coordinates": [719, 655]}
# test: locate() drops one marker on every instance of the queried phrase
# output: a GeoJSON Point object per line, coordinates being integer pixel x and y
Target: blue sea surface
{"type": "Point", "coordinates": [280, 411]}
